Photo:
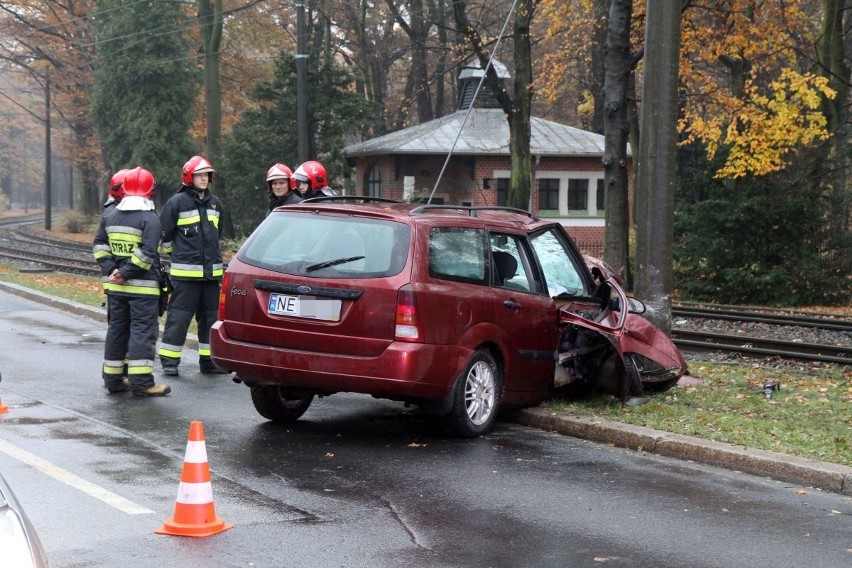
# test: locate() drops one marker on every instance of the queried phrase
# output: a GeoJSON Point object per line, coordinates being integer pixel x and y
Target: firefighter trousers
{"type": "Point", "coordinates": [131, 340]}
{"type": "Point", "coordinates": [190, 298]}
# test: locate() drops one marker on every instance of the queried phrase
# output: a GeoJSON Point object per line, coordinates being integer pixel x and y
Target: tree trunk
{"type": "Point", "coordinates": [657, 159]}
{"type": "Point", "coordinates": [519, 123]}
{"type": "Point", "coordinates": [616, 130]}
{"type": "Point", "coordinates": [836, 185]}
{"type": "Point", "coordinates": [210, 17]}
{"type": "Point", "coordinates": [517, 107]}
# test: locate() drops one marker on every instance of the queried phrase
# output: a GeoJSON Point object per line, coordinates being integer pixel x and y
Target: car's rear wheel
{"type": "Point", "coordinates": [274, 403]}
{"type": "Point", "coordinates": [477, 398]}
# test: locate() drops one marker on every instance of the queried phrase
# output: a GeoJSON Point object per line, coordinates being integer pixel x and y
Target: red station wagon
{"type": "Point", "coordinates": [457, 309]}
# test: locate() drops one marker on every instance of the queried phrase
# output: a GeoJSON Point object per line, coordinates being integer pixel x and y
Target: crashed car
{"type": "Point", "coordinates": [461, 310]}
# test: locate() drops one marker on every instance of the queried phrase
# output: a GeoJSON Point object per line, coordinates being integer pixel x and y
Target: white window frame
{"type": "Point", "coordinates": [591, 197]}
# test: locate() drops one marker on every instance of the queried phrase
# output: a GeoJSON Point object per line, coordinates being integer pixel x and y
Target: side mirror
{"type": "Point", "coordinates": [635, 306]}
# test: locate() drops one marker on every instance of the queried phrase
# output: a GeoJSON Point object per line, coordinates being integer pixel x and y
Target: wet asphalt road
{"type": "Point", "coordinates": [359, 482]}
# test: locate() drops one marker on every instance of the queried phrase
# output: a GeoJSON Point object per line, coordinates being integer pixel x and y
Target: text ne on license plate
{"type": "Point", "coordinates": [327, 309]}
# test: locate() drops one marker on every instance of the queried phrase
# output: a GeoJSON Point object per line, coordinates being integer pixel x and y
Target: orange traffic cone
{"type": "Point", "coordinates": [3, 408]}
{"type": "Point", "coordinates": [195, 514]}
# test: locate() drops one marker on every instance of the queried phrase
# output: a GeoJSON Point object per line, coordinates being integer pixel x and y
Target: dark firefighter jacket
{"type": "Point", "coordinates": [128, 240]}
{"type": "Point", "coordinates": [290, 199]}
{"type": "Point", "coordinates": [191, 235]}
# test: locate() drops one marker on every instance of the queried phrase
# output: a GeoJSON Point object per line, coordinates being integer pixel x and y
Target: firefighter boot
{"type": "Point", "coordinates": [122, 385]}
{"type": "Point", "coordinates": [153, 390]}
{"type": "Point", "coordinates": [208, 367]}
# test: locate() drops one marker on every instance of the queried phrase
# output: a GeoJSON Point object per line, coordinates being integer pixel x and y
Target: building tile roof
{"type": "Point", "coordinates": [485, 132]}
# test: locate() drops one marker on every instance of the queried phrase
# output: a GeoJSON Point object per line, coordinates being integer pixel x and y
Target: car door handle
{"type": "Point", "coordinates": [512, 304]}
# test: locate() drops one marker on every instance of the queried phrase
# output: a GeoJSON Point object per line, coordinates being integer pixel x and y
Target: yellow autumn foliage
{"type": "Point", "coordinates": [742, 83]}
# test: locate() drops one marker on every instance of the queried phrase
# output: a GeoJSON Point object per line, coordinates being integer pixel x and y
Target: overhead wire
{"type": "Point", "coordinates": [473, 100]}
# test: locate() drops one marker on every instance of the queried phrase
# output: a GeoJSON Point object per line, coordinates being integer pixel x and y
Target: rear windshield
{"type": "Point", "coordinates": [328, 246]}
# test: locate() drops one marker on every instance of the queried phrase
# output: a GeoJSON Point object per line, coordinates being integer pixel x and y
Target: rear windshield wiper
{"type": "Point", "coordinates": [334, 262]}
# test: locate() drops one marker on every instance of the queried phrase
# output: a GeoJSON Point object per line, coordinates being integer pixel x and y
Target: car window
{"type": "Point", "coordinates": [328, 246]}
{"type": "Point", "coordinates": [561, 273]}
{"type": "Point", "coordinates": [458, 254]}
{"type": "Point", "coordinates": [510, 266]}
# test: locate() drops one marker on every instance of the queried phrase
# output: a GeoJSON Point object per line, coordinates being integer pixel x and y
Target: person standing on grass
{"type": "Point", "coordinates": [190, 221]}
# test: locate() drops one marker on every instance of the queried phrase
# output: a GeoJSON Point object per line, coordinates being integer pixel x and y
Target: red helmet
{"type": "Point", "coordinates": [196, 165]}
{"type": "Point", "coordinates": [116, 191]}
{"type": "Point", "coordinates": [313, 173]}
{"type": "Point", "coordinates": [139, 181]}
{"type": "Point", "coordinates": [279, 171]}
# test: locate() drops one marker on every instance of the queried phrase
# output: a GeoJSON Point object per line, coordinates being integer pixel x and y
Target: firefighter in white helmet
{"type": "Point", "coordinates": [280, 185]}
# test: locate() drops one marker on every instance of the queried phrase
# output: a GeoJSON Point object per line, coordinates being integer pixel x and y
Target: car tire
{"type": "Point", "coordinates": [476, 398]}
{"type": "Point", "coordinates": [272, 403]}
{"type": "Point", "coordinates": [649, 386]}
{"type": "Point", "coordinates": [634, 378]}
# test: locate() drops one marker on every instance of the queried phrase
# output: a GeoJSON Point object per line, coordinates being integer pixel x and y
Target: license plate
{"type": "Point", "coordinates": [304, 307]}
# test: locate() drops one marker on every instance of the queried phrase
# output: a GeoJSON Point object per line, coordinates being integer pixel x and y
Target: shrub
{"type": "Point", "coordinates": [77, 222]}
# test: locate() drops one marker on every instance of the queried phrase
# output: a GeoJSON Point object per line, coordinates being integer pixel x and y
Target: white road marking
{"type": "Point", "coordinates": [65, 476]}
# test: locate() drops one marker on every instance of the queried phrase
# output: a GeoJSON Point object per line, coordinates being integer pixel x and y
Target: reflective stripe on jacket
{"type": "Point", "coordinates": [191, 235]}
{"type": "Point", "coordinates": [128, 241]}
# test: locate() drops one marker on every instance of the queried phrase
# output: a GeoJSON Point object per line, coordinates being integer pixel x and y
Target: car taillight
{"type": "Point", "coordinates": [223, 293]}
{"type": "Point", "coordinates": [406, 316]}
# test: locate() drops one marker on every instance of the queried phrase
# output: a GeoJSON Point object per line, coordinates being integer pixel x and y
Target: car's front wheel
{"type": "Point", "coordinates": [274, 403]}
{"type": "Point", "coordinates": [477, 397]}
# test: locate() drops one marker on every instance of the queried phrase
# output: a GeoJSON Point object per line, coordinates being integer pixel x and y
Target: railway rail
{"type": "Point", "coordinates": [39, 252]}
{"type": "Point", "coordinates": [702, 342]}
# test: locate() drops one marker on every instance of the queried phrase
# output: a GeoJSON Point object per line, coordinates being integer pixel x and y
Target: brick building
{"type": "Point", "coordinates": [568, 176]}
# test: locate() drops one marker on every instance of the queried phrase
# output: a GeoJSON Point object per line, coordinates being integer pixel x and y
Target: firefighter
{"type": "Point", "coordinates": [114, 195]}
{"type": "Point", "coordinates": [191, 221]}
{"type": "Point", "coordinates": [280, 185]}
{"type": "Point", "coordinates": [312, 181]}
{"type": "Point", "coordinates": [125, 248]}
{"type": "Point", "coordinates": [116, 190]}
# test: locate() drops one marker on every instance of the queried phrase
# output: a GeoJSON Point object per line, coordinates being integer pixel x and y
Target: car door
{"type": "Point", "coordinates": [528, 316]}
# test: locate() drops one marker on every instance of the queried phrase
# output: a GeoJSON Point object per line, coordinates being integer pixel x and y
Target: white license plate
{"type": "Point", "coordinates": [304, 307]}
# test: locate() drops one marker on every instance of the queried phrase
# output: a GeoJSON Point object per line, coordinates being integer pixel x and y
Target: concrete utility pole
{"type": "Point", "coordinates": [657, 180]}
{"type": "Point", "coordinates": [47, 150]}
{"type": "Point", "coordinates": [302, 84]}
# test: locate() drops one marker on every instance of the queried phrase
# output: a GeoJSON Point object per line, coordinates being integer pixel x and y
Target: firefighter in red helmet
{"type": "Point", "coordinates": [312, 180]}
{"type": "Point", "coordinates": [125, 248]}
{"type": "Point", "coordinates": [280, 185]}
{"type": "Point", "coordinates": [191, 221]}
{"type": "Point", "coordinates": [116, 189]}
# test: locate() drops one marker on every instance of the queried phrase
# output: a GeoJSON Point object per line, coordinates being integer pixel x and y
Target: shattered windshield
{"type": "Point", "coordinates": [560, 273]}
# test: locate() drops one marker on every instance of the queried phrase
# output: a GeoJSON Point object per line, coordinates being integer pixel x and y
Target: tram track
{"type": "Point", "coordinates": [702, 334]}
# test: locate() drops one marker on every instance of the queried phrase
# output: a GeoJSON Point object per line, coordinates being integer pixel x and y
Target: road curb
{"type": "Point", "coordinates": [826, 476]}
{"type": "Point", "coordinates": [76, 308]}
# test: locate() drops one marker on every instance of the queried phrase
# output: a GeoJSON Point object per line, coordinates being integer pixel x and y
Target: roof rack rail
{"type": "Point", "coordinates": [361, 198]}
{"type": "Point", "coordinates": [471, 209]}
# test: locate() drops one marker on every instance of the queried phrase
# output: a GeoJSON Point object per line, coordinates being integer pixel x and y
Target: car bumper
{"type": "Point", "coordinates": [404, 370]}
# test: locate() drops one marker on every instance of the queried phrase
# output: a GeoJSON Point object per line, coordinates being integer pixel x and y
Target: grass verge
{"type": "Point", "coordinates": [81, 289]}
{"type": "Point", "coordinates": [808, 417]}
